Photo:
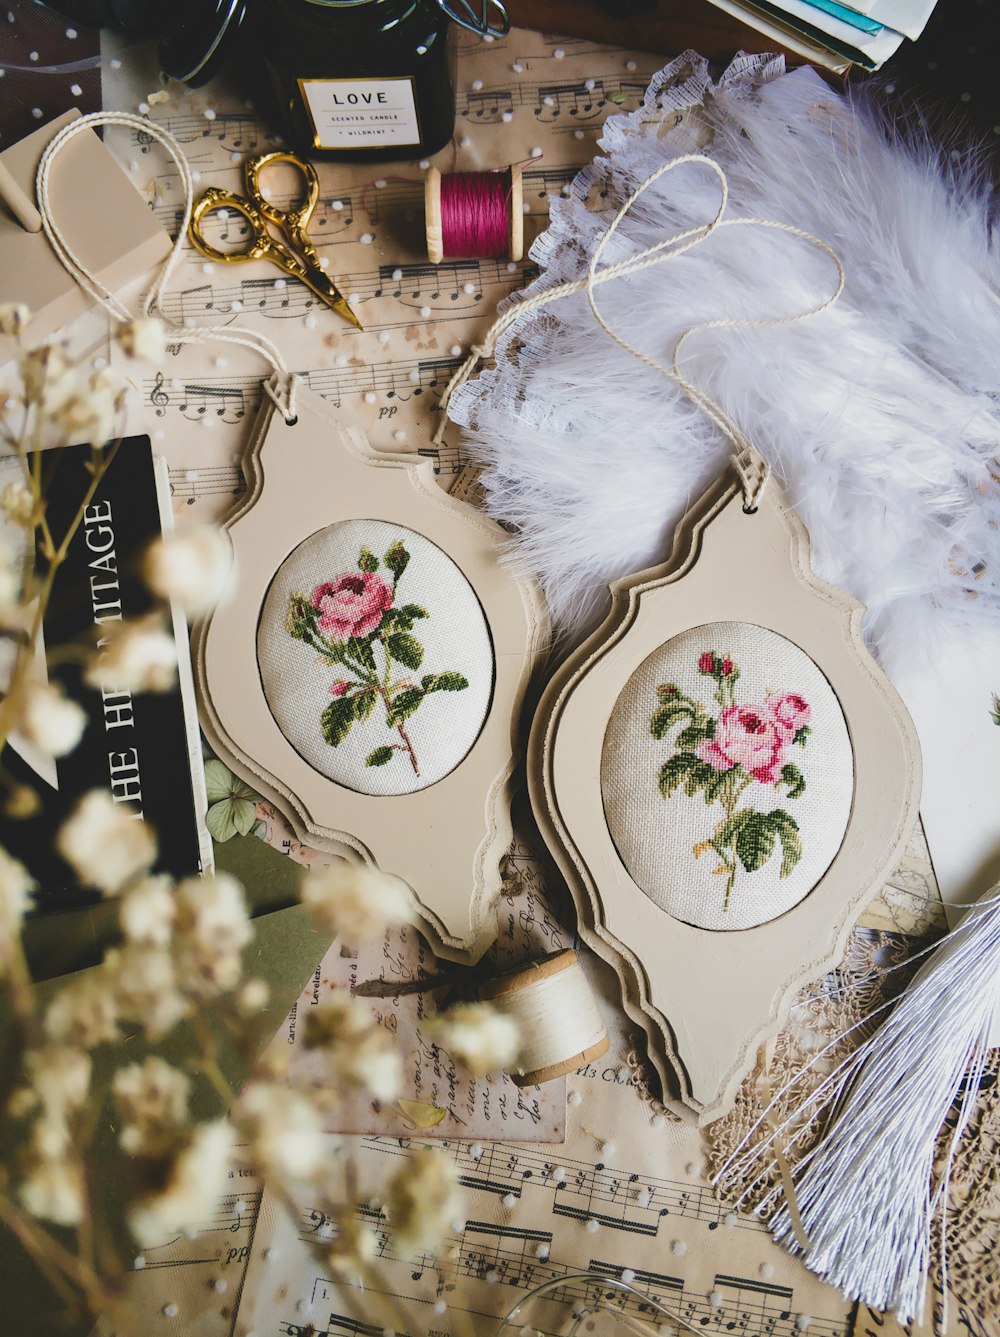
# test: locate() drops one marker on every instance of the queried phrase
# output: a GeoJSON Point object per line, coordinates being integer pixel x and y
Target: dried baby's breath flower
{"type": "Point", "coordinates": [423, 1200]}
{"type": "Point", "coordinates": [138, 655]}
{"type": "Point", "coordinates": [84, 1012]}
{"type": "Point", "coordinates": [86, 411]}
{"type": "Point", "coordinates": [147, 912]}
{"type": "Point", "coordinates": [52, 1190]}
{"type": "Point", "coordinates": [60, 1075]}
{"type": "Point", "coordinates": [104, 845]}
{"type": "Point", "coordinates": [47, 374]}
{"type": "Point", "coordinates": [152, 1099]}
{"type": "Point", "coordinates": [478, 1035]}
{"type": "Point", "coordinates": [18, 503]}
{"type": "Point", "coordinates": [145, 337]}
{"type": "Point", "coordinates": [23, 1101]}
{"type": "Point", "coordinates": [355, 901]}
{"type": "Point", "coordinates": [358, 1050]}
{"type": "Point", "coordinates": [50, 720]}
{"type": "Point", "coordinates": [253, 997]}
{"type": "Point", "coordinates": [192, 566]}
{"type": "Point", "coordinates": [192, 1183]}
{"type": "Point", "coordinates": [210, 932]}
{"type": "Point", "coordinates": [145, 987]}
{"type": "Point", "coordinates": [161, 95]}
{"type": "Point", "coordinates": [50, 1140]}
{"type": "Point", "coordinates": [354, 1247]}
{"type": "Point", "coordinates": [283, 1128]}
{"type": "Point", "coordinates": [16, 886]}
{"type": "Point", "coordinates": [14, 316]}
{"type": "Point", "coordinates": [21, 803]}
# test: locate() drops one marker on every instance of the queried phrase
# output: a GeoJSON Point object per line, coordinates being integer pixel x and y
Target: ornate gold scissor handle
{"type": "Point", "coordinates": [300, 258]}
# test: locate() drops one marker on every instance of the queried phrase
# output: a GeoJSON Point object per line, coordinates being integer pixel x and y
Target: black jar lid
{"type": "Point", "coordinates": [201, 40]}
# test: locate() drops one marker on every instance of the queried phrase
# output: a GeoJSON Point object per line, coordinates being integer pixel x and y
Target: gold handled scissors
{"type": "Point", "coordinates": [302, 262]}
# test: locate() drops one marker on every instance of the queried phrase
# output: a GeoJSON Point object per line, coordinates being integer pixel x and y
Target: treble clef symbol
{"type": "Point", "coordinates": [143, 138]}
{"type": "Point", "coordinates": [158, 397]}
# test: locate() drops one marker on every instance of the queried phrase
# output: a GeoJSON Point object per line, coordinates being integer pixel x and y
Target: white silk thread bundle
{"type": "Point", "coordinates": [864, 1199]}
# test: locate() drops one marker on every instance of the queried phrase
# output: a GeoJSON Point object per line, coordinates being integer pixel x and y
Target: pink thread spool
{"type": "Point", "coordinates": [474, 215]}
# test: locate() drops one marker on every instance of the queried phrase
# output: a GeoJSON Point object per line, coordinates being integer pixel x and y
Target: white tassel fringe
{"type": "Point", "coordinates": [864, 1193]}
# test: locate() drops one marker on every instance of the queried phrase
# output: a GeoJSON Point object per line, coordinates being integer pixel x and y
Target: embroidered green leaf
{"type": "Point", "coordinates": [337, 719]}
{"type": "Point", "coordinates": [397, 559]}
{"type": "Point", "coordinates": [301, 617]}
{"type": "Point", "coordinates": [367, 560]}
{"type": "Point", "coordinates": [364, 703]}
{"type": "Point", "coordinates": [728, 829]}
{"type": "Point", "coordinates": [698, 732]}
{"type": "Point", "coordinates": [725, 786]}
{"type": "Point", "coordinates": [406, 648]}
{"type": "Point", "coordinates": [801, 735]}
{"type": "Point", "coordinates": [792, 777]}
{"type": "Point", "coordinates": [444, 682]}
{"type": "Point", "coordinates": [404, 705]}
{"type": "Point", "coordinates": [755, 840]}
{"type": "Point", "coordinates": [667, 691]}
{"type": "Point", "coordinates": [363, 652]}
{"type": "Point", "coordinates": [788, 833]}
{"type": "Point", "coordinates": [669, 714]}
{"type": "Point", "coordinates": [379, 757]}
{"type": "Point", "coordinates": [687, 769]}
{"type": "Point", "coordinates": [413, 612]}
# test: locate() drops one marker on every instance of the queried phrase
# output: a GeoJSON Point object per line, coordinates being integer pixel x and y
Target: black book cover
{"type": "Point", "coordinates": [134, 746]}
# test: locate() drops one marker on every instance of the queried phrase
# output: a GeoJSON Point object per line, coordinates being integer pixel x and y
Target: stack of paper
{"type": "Point", "coordinates": [834, 34]}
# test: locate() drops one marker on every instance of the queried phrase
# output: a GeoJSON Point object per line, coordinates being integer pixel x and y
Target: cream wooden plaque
{"type": "Point", "coordinates": [725, 777]}
{"type": "Point", "coordinates": [368, 673]}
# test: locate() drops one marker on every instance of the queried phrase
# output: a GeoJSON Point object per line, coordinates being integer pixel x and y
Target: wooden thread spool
{"type": "Point", "coordinates": [554, 1007]}
{"type": "Point", "coordinates": [474, 215]}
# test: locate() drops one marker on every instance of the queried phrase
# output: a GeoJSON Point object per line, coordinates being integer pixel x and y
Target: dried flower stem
{"type": "Point", "coordinates": [50, 1255]}
{"type": "Point", "coordinates": [208, 1063]}
{"type": "Point", "coordinates": [55, 556]}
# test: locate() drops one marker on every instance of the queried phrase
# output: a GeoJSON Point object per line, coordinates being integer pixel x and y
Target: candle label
{"type": "Point", "coordinates": [361, 113]}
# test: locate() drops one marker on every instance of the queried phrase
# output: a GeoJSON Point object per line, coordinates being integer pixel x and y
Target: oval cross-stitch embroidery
{"type": "Point", "coordinates": [375, 657]}
{"type": "Point", "coordinates": [727, 775]}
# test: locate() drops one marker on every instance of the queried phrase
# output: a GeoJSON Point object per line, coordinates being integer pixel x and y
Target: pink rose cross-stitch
{"type": "Point", "coordinates": [723, 756]}
{"type": "Point", "coordinates": [357, 625]}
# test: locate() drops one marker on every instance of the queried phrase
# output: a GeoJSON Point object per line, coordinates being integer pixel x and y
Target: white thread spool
{"type": "Point", "coordinates": [554, 1008]}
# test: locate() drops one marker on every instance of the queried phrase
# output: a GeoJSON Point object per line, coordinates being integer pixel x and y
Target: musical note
{"type": "Point", "coordinates": [226, 402]}
{"type": "Point", "coordinates": [581, 99]}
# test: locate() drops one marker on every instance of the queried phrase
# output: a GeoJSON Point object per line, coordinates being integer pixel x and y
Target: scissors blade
{"type": "Point", "coordinates": [319, 282]}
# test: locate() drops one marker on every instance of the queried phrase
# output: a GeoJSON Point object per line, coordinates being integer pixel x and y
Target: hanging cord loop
{"type": "Point", "coordinates": [152, 304]}
{"type": "Point", "coordinates": [750, 465]}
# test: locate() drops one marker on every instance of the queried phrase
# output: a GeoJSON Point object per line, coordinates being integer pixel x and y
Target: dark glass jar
{"type": "Point", "coordinates": [363, 80]}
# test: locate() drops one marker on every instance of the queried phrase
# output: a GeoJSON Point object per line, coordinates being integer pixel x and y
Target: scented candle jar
{"type": "Point", "coordinates": [367, 80]}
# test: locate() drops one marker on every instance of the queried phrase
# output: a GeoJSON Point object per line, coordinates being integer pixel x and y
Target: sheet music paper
{"type": "Point", "coordinates": [434, 1085]}
{"type": "Point", "coordinates": [191, 1283]}
{"type": "Point", "coordinates": [524, 97]}
{"type": "Point", "coordinates": [639, 1176]}
{"type": "Point", "coordinates": [625, 1193]}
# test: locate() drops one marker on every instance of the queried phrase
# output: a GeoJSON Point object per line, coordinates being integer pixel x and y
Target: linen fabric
{"type": "Point", "coordinates": [393, 681]}
{"type": "Point", "coordinates": [727, 775]}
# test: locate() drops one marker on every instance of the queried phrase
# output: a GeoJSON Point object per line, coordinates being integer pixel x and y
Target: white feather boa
{"type": "Point", "coordinates": [880, 418]}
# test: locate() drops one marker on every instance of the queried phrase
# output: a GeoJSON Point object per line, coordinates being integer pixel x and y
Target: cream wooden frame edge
{"type": "Point", "coordinates": [433, 838]}
{"type": "Point", "coordinates": [721, 993]}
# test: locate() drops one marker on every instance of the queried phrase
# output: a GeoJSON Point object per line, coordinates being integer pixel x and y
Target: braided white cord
{"type": "Point", "coordinates": [152, 304]}
{"type": "Point", "coordinates": [750, 465]}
